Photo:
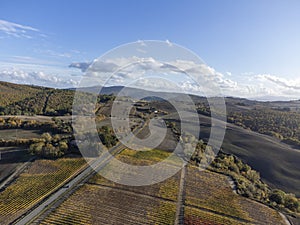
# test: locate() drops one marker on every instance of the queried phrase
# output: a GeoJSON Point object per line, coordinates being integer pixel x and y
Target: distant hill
{"type": "Point", "coordinates": [16, 99]}
{"type": "Point", "coordinates": [11, 93]}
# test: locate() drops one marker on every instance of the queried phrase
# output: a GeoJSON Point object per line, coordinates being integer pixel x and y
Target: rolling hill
{"type": "Point", "coordinates": [277, 162]}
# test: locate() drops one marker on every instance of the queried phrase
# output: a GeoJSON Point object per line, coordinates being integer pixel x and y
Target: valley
{"type": "Point", "coordinates": [44, 177]}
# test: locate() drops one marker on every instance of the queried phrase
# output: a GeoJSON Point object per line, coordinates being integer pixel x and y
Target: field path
{"type": "Point", "coordinates": [179, 216]}
{"type": "Point", "coordinates": [46, 102]}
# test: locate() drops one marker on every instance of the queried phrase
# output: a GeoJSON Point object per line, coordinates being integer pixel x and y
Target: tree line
{"type": "Point", "coordinates": [247, 180]}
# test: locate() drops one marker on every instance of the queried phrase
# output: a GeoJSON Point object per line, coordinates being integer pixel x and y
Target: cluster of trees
{"type": "Point", "coordinates": [59, 103]}
{"type": "Point", "coordinates": [107, 136]}
{"type": "Point", "coordinates": [89, 143]}
{"type": "Point", "coordinates": [29, 106]}
{"type": "Point", "coordinates": [11, 122]}
{"type": "Point", "coordinates": [18, 142]}
{"type": "Point", "coordinates": [31, 100]}
{"type": "Point", "coordinates": [41, 145]}
{"type": "Point", "coordinates": [56, 126]}
{"type": "Point", "coordinates": [60, 126]}
{"type": "Point", "coordinates": [203, 154]}
{"type": "Point", "coordinates": [57, 139]}
{"type": "Point", "coordinates": [10, 93]}
{"type": "Point", "coordinates": [203, 108]}
{"type": "Point", "coordinates": [50, 146]}
{"type": "Point", "coordinates": [284, 125]}
{"type": "Point", "coordinates": [106, 98]}
{"type": "Point", "coordinates": [280, 199]}
{"type": "Point", "coordinates": [248, 181]}
{"type": "Point", "coordinates": [46, 102]}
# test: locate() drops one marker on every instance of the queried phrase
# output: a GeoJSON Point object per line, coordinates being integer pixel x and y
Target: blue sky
{"type": "Point", "coordinates": [246, 41]}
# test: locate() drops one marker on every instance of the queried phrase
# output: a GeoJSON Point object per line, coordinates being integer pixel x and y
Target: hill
{"type": "Point", "coordinates": [277, 162]}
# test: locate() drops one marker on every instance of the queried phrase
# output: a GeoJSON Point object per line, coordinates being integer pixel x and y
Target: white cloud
{"type": "Point", "coordinates": [16, 30]}
{"type": "Point", "coordinates": [141, 50]}
{"type": "Point", "coordinates": [19, 59]}
{"type": "Point", "coordinates": [156, 83]}
{"type": "Point", "coordinates": [290, 84]}
{"type": "Point", "coordinates": [122, 71]}
{"type": "Point", "coordinates": [83, 66]}
{"type": "Point", "coordinates": [142, 43]}
{"type": "Point", "coordinates": [169, 43]}
{"type": "Point", "coordinates": [37, 78]}
{"type": "Point", "coordinates": [179, 76]}
{"type": "Point", "coordinates": [55, 54]}
{"type": "Point", "coordinates": [59, 54]}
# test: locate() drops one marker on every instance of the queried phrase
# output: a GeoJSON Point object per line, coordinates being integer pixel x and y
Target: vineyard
{"type": "Point", "coordinates": [102, 205]}
{"type": "Point", "coordinates": [195, 216]}
{"type": "Point", "coordinates": [34, 184]}
{"type": "Point", "coordinates": [215, 194]}
{"type": "Point", "coordinates": [102, 201]}
{"type": "Point", "coordinates": [208, 199]}
{"type": "Point", "coordinates": [209, 193]}
{"type": "Point", "coordinates": [142, 157]}
{"type": "Point", "coordinates": [167, 189]}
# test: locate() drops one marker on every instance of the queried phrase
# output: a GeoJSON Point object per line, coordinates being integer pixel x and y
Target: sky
{"type": "Point", "coordinates": [253, 46]}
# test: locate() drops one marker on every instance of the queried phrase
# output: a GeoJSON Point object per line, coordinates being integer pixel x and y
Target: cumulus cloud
{"type": "Point", "coordinates": [37, 78]}
{"type": "Point", "coordinates": [80, 65]}
{"type": "Point", "coordinates": [190, 77]}
{"type": "Point", "coordinates": [16, 30]}
{"type": "Point", "coordinates": [122, 70]}
{"type": "Point", "coordinates": [156, 83]}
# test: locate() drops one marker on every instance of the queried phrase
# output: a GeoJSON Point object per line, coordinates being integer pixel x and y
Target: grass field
{"type": "Point", "coordinates": [11, 158]}
{"type": "Point", "coordinates": [12, 134]}
{"type": "Point", "coordinates": [41, 178]}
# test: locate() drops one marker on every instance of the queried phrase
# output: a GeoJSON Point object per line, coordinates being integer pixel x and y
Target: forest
{"type": "Point", "coordinates": [278, 121]}
{"type": "Point", "coordinates": [283, 125]}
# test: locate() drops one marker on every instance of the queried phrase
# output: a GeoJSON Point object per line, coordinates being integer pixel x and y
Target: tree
{"type": "Point", "coordinates": [36, 148]}
{"type": "Point", "coordinates": [63, 146]}
{"type": "Point", "coordinates": [277, 196]}
{"type": "Point", "coordinates": [291, 202]}
{"type": "Point", "coordinates": [47, 137]}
